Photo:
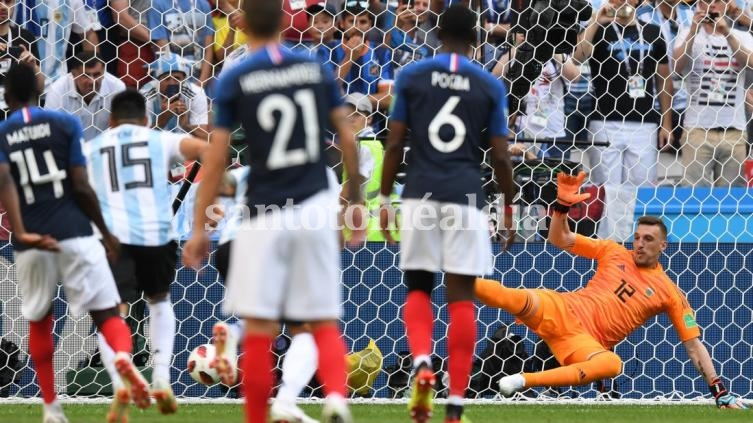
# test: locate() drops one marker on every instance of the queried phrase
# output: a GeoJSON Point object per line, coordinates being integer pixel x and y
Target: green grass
{"type": "Point", "coordinates": [524, 413]}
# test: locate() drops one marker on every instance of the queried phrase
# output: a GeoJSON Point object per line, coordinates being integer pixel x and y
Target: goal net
{"type": "Point", "coordinates": [592, 114]}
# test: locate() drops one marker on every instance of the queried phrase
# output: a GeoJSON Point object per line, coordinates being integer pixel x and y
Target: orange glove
{"type": "Point", "coordinates": [568, 188]}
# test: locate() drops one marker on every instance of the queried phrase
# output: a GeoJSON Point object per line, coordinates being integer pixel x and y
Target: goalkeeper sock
{"type": "Point", "coordinates": [332, 372]}
{"type": "Point", "coordinates": [42, 349]}
{"type": "Point", "coordinates": [117, 334]}
{"type": "Point", "coordinates": [461, 342]}
{"type": "Point", "coordinates": [238, 329]}
{"type": "Point", "coordinates": [419, 321]}
{"type": "Point", "coordinates": [602, 365]}
{"type": "Point", "coordinates": [257, 384]}
{"type": "Point", "coordinates": [107, 355]}
{"type": "Point", "coordinates": [298, 367]}
{"type": "Point", "coordinates": [161, 338]}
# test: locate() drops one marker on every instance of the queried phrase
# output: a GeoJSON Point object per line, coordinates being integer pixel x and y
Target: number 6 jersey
{"type": "Point", "coordinates": [128, 168]}
{"type": "Point", "coordinates": [41, 146]}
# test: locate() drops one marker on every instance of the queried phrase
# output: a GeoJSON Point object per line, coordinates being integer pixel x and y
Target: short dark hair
{"type": "Point", "coordinates": [85, 59]}
{"type": "Point", "coordinates": [128, 105]}
{"type": "Point", "coordinates": [457, 23]}
{"type": "Point", "coordinates": [654, 221]}
{"type": "Point", "coordinates": [21, 83]}
{"type": "Point", "coordinates": [263, 17]}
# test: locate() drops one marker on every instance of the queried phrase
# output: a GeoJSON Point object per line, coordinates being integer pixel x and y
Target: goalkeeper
{"type": "Point", "coordinates": [582, 327]}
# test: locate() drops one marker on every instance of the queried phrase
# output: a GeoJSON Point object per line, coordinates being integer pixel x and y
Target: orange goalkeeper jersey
{"type": "Point", "coordinates": [621, 296]}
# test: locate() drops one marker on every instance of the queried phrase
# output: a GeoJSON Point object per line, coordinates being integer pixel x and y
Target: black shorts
{"type": "Point", "coordinates": [148, 270]}
{"type": "Point", "coordinates": [222, 259]}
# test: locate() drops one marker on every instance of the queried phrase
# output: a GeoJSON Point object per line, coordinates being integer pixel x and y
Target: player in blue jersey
{"type": "Point", "coordinates": [457, 113]}
{"type": "Point", "coordinates": [280, 267]}
{"type": "Point", "coordinates": [40, 156]}
{"type": "Point", "coordinates": [129, 165]}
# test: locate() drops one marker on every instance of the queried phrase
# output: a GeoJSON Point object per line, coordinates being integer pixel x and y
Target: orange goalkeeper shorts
{"type": "Point", "coordinates": [560, 328]}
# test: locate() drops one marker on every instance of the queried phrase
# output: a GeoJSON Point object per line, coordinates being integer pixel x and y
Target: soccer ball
{"type": "Point", "coordinates": [198, 365]}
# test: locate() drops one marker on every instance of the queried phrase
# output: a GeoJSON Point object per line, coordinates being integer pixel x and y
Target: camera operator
{"type": "Point", "coordinates": [629, 67]}
{"type": "Point", "coordinates": [714, 56]}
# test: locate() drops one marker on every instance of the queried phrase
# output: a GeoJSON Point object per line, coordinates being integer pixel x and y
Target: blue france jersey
{"type": "Point", "coordinates": [283, 101]}
{"type": "Point", "coordinates": [452, 108]}
{"type": "Point", "coordinates": [129, 167]}
{"type": "Point", "coordinates": [41, 146]}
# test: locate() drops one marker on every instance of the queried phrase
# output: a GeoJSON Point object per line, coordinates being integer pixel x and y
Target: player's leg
{"type": "Point", "coordinates": [315, 296]}
{"type": "Point", "coordinates": [226, 336]}
{"type": "Point", "coordinates": [89, 286]}
{"type": "Point", "coordinates": [255, 289]}
{"type": "Point", "coordinates": [38, 276]}
{"type": "Point", "coordinates": [466, 251]}
{"type": "Point", "coordinates": [420, 259]}
{"type": "Point", "coordinates": [298, 367]}
{"type": "Point", "coordinates": [155, 271]}
{"type": "Point", "coordinates": [524, 304]}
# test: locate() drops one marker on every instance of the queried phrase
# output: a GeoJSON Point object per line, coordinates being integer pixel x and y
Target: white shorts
{"type": "Point", "coordinates": [448, 237]}
{"type": "Point", "coordinates": [278, 271]}
{"type": "Point", "coordinates": [81, 264]}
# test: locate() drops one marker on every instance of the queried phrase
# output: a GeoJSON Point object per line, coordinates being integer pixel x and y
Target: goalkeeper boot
{"type": "Point", "coordinates": [133, 380]}
{"type": "Point", "coordinates": [163, 395]}
{"type": "Point", "coordinates": [53, 413]}
{"type": "Point", "coordinates": [226, 353]}
{"type": "Point", "coordinates": [288, 412]}
{"type": "Point", "coordinates": [121, 403]}
{"type": "Point", "coordinates": [509, 385]}
{"type": "Point", "coordinates": [336, 410]}
{"type": "Point", "coordinates": [421, 403]}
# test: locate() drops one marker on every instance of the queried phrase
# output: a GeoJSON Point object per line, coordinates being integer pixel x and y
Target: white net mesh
{"type": "Point", "coordinates": [710, 236]}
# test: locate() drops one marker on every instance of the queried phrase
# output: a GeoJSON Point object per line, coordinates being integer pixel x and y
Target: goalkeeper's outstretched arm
{"type": "Point", "coordinates": [701, 359]}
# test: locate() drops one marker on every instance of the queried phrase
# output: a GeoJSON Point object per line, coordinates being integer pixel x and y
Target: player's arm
{"type": "Point", "coordinates": [192, 148]}
{"type": "Point", "coordinates": [87, 201]}
{"type": "Point", "coordinates": [338, 118]}
{"type": "Point", "coordinates": [9, 199]}
{"type": "Point", "coordinates": [568, 188]}
{"type": "Point", "coordinates": [701, 359]}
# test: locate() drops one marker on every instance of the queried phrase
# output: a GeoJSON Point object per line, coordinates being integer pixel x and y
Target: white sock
{"type": "Point", "coordinates": [161, 338]}
{"type": "Point", "coordinates": [107, 355]}
{"type": "Point", "coordinates": [421, 359]}
{"type": "Point", "coordinates": [238, 329]}
{"type": "Point", "coordinates": [299, 366]}
{"type": "Point", "coordinates": [455, 400]}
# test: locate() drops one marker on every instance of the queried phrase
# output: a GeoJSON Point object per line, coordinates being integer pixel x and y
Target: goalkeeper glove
{"type": "Point", "coordinates": [723, 398]}
{"type": "Point", "coordinates": [568, 188]}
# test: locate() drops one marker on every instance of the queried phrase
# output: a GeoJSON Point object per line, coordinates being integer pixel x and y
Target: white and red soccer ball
{"type": "Point", "coordinates": [199, 365]}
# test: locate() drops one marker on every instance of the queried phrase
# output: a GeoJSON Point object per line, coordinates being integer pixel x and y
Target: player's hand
{"type": "Point", "coordinates": [196, 249]}
{"type": "Point", "coordinates": [387, 221]}
{"type": "Point", "coordinates": [112, 246]}
{"type": "Point", "coordinates": [40, 242]}
{"type": "Point", "coordinates": [357, 216]}
{"type": "Point", "coordinates": [730, 401]}
{"type": "Point", "coordinates": [568, 188]}
{"type": "Point", "coordinates": [510, 234]}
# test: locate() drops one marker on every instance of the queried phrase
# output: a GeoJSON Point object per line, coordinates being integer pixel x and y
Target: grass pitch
{"type": "Point", "coordinates": [383, 413]}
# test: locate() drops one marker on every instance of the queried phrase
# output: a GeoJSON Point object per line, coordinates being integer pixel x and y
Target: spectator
{"type": "Point", "coordinates": [364, 66]}
{"type": "Point", "coordinates": [322, 32]}
{"type": "Point", "coordinates": [227, 20]}
{"type": "Point", "coordinates": [629, 66]}
{"type": "Point", "coordinates": [86, 91]}
{"type": "Point", "coordinates": [414, 35]}
{"type": "Point", "coordinates": [297, 22]}
{"type": "Point", "coordinates": [175, 103]}
{"type": "Point", "coordinates": [670, 16]}
{"type": "Point", "coordinates": [496, 19]}
{"type": "Point", "coordinates": [135, 50]}
{"type": "Point", "coordinates": [23, 48]}
{"type": "Point", "coordinates": [714, 57]}
{"type": "Point", "coordinates": [52, 22]}
{"type": "Point", "coordinates": [185, 27]}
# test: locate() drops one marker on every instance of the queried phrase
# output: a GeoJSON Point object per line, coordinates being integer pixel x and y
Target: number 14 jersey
{"type": "Point", "coordinates": [128, 168]}
{"type": "Point", "coordinates": [41, 146]}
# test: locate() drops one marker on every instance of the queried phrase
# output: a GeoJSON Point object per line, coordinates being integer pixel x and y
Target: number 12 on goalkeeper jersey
{"type": "Point", "coordinates": [128, 168]}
